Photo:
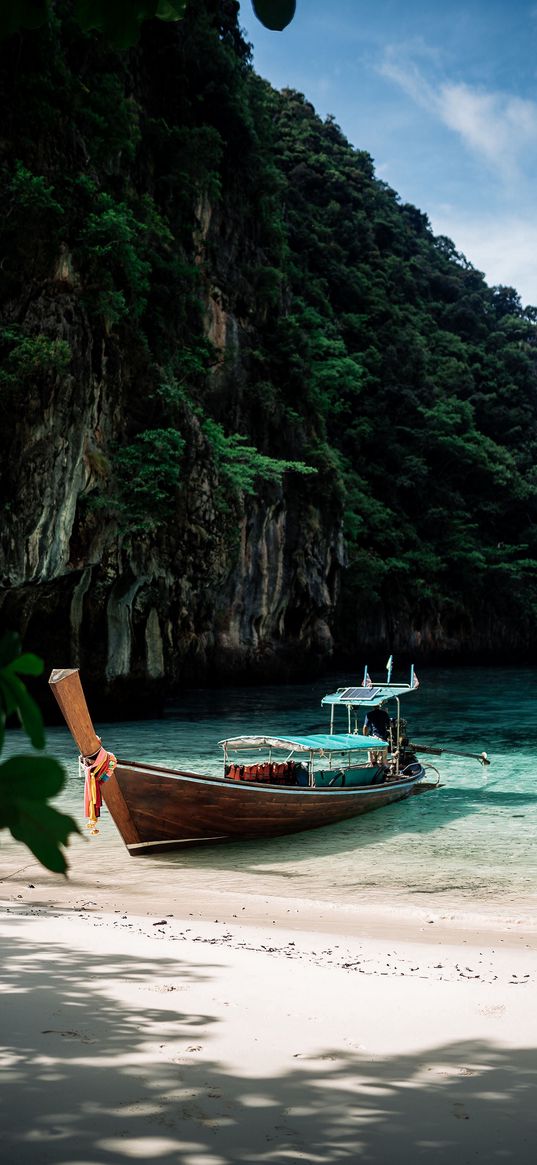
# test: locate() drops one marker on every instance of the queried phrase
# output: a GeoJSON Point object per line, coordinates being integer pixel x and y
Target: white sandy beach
{"type": "Point", "coordinates": [139, 1023]}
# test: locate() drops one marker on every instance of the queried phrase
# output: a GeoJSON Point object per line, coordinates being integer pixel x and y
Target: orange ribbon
{"type": "Point", "coordinates": [97, 770]}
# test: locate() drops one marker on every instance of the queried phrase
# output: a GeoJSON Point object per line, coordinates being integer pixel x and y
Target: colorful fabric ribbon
{"type": "Point", "coordinates": [96, 771]}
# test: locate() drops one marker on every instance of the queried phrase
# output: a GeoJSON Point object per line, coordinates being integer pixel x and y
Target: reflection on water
{"type": "Point", "coordinates": [473, 836]}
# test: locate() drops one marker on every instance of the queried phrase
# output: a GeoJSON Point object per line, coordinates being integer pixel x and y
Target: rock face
{"type": "Point", "coordinates": [210, 597]}
{"type": "Point", "coordinates": [224, 583]}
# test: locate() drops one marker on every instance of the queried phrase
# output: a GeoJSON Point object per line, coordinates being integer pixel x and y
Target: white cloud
{"type": "Point", "coordinates": [501, 129]}
{"type": "Point", "coordinates": [503, 247]}
{"type": "Point", "coordinates": [404, 72]}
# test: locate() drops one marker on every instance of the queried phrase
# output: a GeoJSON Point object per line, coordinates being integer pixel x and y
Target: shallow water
{"type": "Point", "coordinates": [472, 839]}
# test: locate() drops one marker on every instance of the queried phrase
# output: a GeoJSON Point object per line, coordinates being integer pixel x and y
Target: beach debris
{"type": "Point", "coordinates": [69, 1034]}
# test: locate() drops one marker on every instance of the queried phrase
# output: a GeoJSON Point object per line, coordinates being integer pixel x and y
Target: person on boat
{"type": "Point", "coordinates": [377, 723]}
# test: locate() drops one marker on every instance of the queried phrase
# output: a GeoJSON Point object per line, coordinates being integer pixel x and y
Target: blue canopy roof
{"type": "Point", "coordinates": [369, 697]}
{"type": "Point", "coordinates": [342, 742]}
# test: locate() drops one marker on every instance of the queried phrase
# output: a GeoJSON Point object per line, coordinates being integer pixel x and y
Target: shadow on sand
{"type": "Point", "coordinates": [93, 1080]}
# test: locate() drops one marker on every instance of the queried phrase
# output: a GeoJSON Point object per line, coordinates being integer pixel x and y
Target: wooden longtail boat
{"type": "Point", "coordinates": [286, 783]}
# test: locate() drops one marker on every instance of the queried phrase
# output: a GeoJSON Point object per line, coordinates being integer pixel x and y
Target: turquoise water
{"type": "Point", "coordinates": [473, 838]}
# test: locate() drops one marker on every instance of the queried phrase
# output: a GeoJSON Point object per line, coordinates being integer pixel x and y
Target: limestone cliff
{"type": "Point", "coordinates": [223, 583]}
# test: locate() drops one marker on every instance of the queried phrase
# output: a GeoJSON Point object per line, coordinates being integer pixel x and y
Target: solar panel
{"type": "Point", "coordinates": [357, 694]}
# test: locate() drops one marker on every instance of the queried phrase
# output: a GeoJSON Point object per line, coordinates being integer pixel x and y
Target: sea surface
{"type": "Point", "coordinates": [472, 839]}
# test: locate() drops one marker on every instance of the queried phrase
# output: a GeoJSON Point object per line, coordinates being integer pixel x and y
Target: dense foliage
{"type": "Point", "coordinates": [424, 381]}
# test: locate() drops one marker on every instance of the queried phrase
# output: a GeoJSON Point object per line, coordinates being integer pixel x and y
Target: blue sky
{"type": "Point", "coordinates": [443, 95]}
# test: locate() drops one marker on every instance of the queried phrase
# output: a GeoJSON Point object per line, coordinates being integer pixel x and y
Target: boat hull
{"type": "Point", "coordinates": [159, 809]}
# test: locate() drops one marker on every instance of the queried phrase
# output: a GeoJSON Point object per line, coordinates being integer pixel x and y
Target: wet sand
{"type": "Point", "coordinates": [143, 1022]}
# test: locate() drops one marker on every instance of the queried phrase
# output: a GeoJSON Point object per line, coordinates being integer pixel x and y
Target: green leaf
{"type": "Point", "coordinates": [119, 22]}
{"type": "Point", "coordinates": [26, 665]}
{"type": "Point", "coordinates": [17, 14]}
{"type": "Point", "coordinates": [43, 829]}
{"type": "Point", "coordinates": [8, 699]}
{"type": "Point", "coordinates": [10, 647]}
{"type": "Point", "coordinates": [16, 698]}
{"type": "Point", "coordinates": [26, 782]}
{"type": "Point", "coordinates": [30, 777]}
{"type": "Point", "coordinates": [274, 14]}
{"type": "Point", "coordinates": [171, 9]}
